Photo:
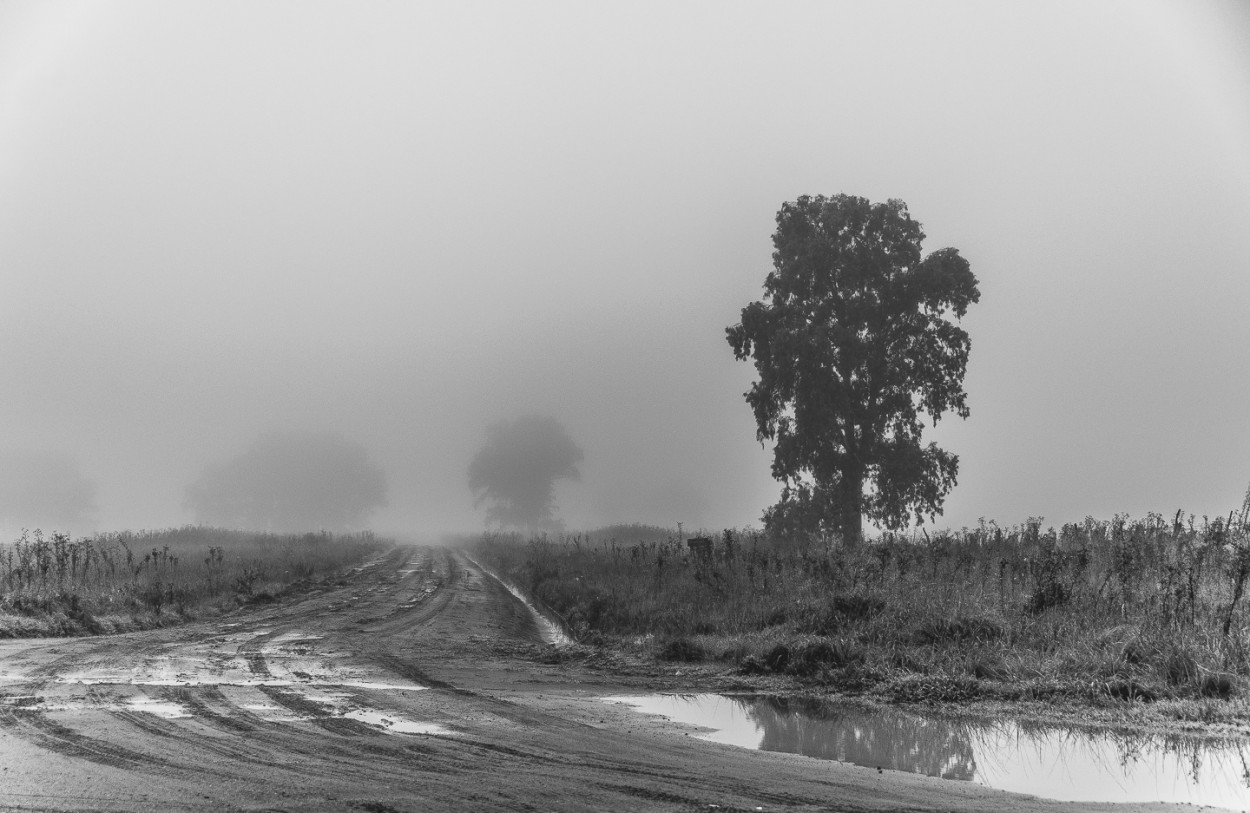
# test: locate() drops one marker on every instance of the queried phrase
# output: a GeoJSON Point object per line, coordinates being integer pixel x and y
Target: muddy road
{"type": "Point", "coordinates": [416, 683]}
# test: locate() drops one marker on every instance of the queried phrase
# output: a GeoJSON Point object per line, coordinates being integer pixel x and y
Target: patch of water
{"type": "Point", "coordinates": [417, 565]}
{"type": "Point", "coordinates": [339, 704]}
{"type": "Point", "coordinates": [394, 723]}
{"type": "Point", "coordinates": [272, 713]}
{"type": "Point", "coordinates": [364, 684]}
{"type": "Point", "coordinates": [1043, 760]}
{"type": "Point", "coordinates": [161, 708]}
{"type": "Point", "coordinates": [291, 658]}
{"type": "Point", "coordinates": [344, 678]}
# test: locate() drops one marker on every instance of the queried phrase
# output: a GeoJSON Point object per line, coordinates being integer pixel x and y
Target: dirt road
{"type": "Point", "coordinates": [416, 683]}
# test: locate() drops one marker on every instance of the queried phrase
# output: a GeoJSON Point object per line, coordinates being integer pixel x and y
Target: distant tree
{"type": "Point", "coordinates": [40, 488]}
{"type": "Point", "coordinates": [517, 469]}
{"type": "Point", "coordinates": [290, 482]}
{"type": "Point", "coordinates": [852, 344]}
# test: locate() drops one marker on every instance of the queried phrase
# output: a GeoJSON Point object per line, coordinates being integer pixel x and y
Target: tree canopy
{"type": "Point", "coordinates": [290, 481]}
{"type": "Point", "coordinates": [44, 488]}
{"type": "Point", "coordinates": [853, 345]}
{"type": "Point", "coordinates": [517, 469]}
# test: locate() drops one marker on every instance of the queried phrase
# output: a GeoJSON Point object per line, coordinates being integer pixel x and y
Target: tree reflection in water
{"type": "Point", "coordinates": [1086, 764]}
{"type": "Point", "coordinates": [881, 738]}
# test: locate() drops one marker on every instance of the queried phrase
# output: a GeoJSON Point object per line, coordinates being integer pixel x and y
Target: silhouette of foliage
{"type": "Point", "coordinates": [290, 482]}
{"type": "Point", "coordinates": [517, 469]}
{"type": "Point", "coordinates": [852, 345]}
{"type": "Point", "coordinates": [43, 488]}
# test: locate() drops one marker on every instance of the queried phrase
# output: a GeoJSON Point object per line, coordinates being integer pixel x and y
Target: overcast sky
{"type": "Point", "coordinates": [404, 221]}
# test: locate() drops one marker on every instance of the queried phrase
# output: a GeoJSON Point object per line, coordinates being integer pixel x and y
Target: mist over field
{"type": "Point", "coordinates": [379, 230]}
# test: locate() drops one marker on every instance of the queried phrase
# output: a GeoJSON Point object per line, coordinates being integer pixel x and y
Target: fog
{"type": "Point", "coordinates": [403, 223]}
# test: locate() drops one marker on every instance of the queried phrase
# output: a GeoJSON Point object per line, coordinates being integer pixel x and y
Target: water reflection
{"type": "Point", "coordinates": [886, 739]}
{"type": "Point", "coordinates": [1045, 760]}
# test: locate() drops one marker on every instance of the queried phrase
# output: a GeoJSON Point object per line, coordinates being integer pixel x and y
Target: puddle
{"type": "Point", "coordinates": [1056, 763]}
{"type": "Point", "coordinates": [338, 704]}
{"type": "Point", "coordinates": [394, 723]}
{"type": "Point", "coordinates": [189, 682]}
{"type": "Point", "coordinates": [292, 658]}
{"type": "Point", "coordinates": [161, 708]}
{"type": "Point", "coordinates": [272, 713]}
{"type": "Point", "coordinates": [326, 704]}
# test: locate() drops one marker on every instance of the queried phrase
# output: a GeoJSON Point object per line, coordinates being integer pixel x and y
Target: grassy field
{"type": "Point", "coordinates": [1145, 609]}
{"type": "Point", "coordinates": [112, 582]}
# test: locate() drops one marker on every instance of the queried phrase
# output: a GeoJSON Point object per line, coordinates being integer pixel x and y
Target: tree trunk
{"type": "Point", "coordinates": [852, 518]}
{"type": "Point", "coordinates": [852, 527]}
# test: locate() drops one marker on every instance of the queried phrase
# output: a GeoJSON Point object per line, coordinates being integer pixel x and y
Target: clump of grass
{"type": "Point", "coordinates": [958, 629]}
{"type": "Point", "coordinates": [1146, 609]}
{"type": "Point", "coordinates": [680, 649]}
{"type": "Point", "coordinates": [54, 585]}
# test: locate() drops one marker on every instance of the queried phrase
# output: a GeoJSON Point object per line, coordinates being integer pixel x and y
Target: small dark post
{"type": "Point", "coordinates": [700, 548]}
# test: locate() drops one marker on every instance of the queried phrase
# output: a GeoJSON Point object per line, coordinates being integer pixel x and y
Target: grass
{"type": "Point", "coordinates": [1120, 610]}
{"type": "Point", "coordinates": [111, 582]}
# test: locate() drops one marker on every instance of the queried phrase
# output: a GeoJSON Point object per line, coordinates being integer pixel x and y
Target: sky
{"type": "Point", "coordinates": [402, 222]}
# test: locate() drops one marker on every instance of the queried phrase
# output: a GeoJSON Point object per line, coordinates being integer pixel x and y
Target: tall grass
{"type": "Point", "coordinates": [1123, 608]}
{"type": "Point", "coordinates": [54, 585]}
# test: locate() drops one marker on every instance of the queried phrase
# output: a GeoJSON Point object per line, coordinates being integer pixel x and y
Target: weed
{"type": "Point", "coordinates": [958, 630]}
{"type": "Point", "coordinates": [1126, 609]}
{"type": "Point", "coordinates": [74, 586]}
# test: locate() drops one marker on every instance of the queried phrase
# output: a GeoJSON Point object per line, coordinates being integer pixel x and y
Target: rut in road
{"type": "Point", "coordinates": [224, 675]}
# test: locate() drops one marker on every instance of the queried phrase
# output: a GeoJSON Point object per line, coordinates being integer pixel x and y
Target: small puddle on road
{"type": "Point", "coordinates": [167, 709]}
{"type": "Point", "coordinates": [293, 658]}
{"type": "Point", "coordinates": [344, 704]}
{"type": "Point", "coordinates": [161, 708]}
{"type": "Point", "coordinates": [394, 723]}
{"type": "Point", "coordinates": [272, 713]}
{"type": "Point", "coordinates": [1049, 761]}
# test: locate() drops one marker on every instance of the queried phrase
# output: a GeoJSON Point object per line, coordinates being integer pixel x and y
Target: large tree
{"type": "Point", "coordinates": [44, 488]}
{"type": "Point", "coordinates": [853, 345]}
{"type": "Point", "coordinates": [517, 469]}
{"type": "Point", "coordinates": [290, 481]}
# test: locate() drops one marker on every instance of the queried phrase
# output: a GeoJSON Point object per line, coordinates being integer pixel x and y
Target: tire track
{"type": "Point", "coordinates": [250, 651]}
{"type": "Point", "coordinates": [38, 728]}
{"type": "Point", "coordinates": [408, 617]}
{"type": "Point", "coordinates": [198, 702]}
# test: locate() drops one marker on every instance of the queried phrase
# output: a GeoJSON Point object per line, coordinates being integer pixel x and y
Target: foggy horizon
{"type": "Point", "coordinates": [401, 225]}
